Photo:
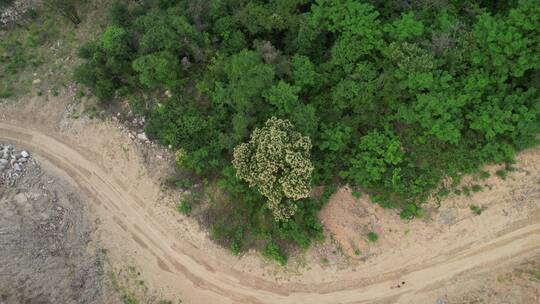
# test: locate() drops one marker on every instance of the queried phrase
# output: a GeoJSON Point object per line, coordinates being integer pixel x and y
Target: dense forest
{"type": "Point", "coordinates": [269, 99]}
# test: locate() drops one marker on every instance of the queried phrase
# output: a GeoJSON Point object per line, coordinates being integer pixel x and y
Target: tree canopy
{"type": "Point", "coordinates": [390, 97]}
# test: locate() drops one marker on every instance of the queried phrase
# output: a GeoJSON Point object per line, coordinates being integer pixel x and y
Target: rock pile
{"type": "Point", "coordinates": [12, 163]}
{"type": "Point", "coordinates": [48, 253]}
{"type": "Point", "coordinates": [16, 10]}
{"type": "Point", "coordinates": [134, 127]}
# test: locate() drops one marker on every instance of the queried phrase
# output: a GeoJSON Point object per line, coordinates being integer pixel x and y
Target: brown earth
{"type": "Point", "coordinates": [448, 257]}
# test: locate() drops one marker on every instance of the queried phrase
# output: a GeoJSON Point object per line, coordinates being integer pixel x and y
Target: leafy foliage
{"type": "Point", "coordinates": [184, 207]}
{"type": "Point", "coordinates": [391, 98]}
{"type": "Point", "coordinates": [372, 236]}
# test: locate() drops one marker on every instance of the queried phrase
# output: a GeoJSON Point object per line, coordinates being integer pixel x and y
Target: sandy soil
{"type": "Point", "coordinates": [445, 258]}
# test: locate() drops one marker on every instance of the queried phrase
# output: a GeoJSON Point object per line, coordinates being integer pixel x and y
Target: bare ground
{"type": "Point", "coordinates": [452, 256]}
{"type": "Point", "coordinates": [47, 253]}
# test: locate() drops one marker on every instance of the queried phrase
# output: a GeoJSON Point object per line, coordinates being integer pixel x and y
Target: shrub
{"type": "Point", "coordinates": [356, 194]}
{"type": "Point", "coordinates": [502, 173]}
{"type": "Point", "coordinates": [372, 237]}
{"type": "Point", "coordinates": [273, 252]}
{"type": "Point", "coordinates": [477, 188]}
{"type": "Point", "coordinates": [184, 207]}
{"type": "Point", "coordinates": [484, 174]}
{"type": "Point", "coordinates": [409, 212]}
{"type": "Point", "coordinates": [466, 190]}
{"type": "Point", "coordinates": [476, 209]}
{"type": "Point", "coordinates": [6, 93]}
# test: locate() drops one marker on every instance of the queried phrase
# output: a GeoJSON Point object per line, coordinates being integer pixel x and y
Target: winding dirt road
{"type": "Point", "coordinates": [201, 279]}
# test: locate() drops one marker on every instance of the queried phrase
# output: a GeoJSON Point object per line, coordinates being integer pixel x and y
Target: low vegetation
{"type": "Point", "coordinates": [372, 236]}
{"type": "Point", "coordinates": [477, 210]}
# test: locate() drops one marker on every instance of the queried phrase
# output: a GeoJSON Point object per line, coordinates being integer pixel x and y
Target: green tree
{"type": "Point", "coordinates": [405, 27]}
{"type": "Point", "coordinates": [115, 41]}
{"type": "Point", "coordinates": [376, 154]}
{"type": "Point", "coordinates": [157, 69]}
{"type": "Point", "coordinates": [238, 81]}
{"type": "Point", "coordinates": [284, 97]}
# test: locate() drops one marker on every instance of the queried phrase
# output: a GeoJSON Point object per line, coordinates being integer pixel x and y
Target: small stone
{"type": "Point", "coordinates": [142, 136]}
{"type": "Point", "coordinates": [17, 167]}
{"type": "Point", "coordinates": [186, 64]}
{"type": "Point", "coordinates": [22, 160]}
{"type": "Point", "coordinates": [440, 301]}
{"type": "Point", "coordinates": [36, 81]}
{"type": "Point", "coordinates": [24, 153]}
{"type": "Point", "coordinates": [20, 198]}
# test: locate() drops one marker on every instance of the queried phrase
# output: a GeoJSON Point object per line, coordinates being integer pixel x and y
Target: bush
{"type": "Point", "coordinates": [476, 209]}
{"type": "Point", "coordinates": [184, 207]}
{"type": "Point", "coordinates": [477, 188]}
{"type": "Point", "coordinates": [273, 252]}
{"type": "Point", "coordinates": [484, 175]}
{"type": "Point", "coordinates": [502, 173]}
{"type": "Point", "coordinates": [466, 190]}
{"type": "Point", "coordinates": [372, 237]}
{"type": "Point", "coordinates": [409, 212]}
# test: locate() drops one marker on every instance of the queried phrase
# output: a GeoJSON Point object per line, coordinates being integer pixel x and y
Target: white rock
{"type": "Point", "coordinates": [142, 136]}
{"type": "Point", "coordinates": [24, 154]}
{"type": "Point", "coordinates": [36, 81]}
{"type": "Point", "coordinates": [20, 198]}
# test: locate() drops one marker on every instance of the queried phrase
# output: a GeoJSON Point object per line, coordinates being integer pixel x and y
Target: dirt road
{"type": "Point", "coordinates": [199, 278]}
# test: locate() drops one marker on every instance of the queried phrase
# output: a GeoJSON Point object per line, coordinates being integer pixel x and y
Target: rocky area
{"type": "Point", "coordinates": [12, 164]}
{"type": "Point", "coordinates": [16, 10]}
{"type": "Point", "coordinates": [47, 254]}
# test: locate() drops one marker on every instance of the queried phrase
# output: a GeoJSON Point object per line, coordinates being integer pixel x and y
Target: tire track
{"type": "Point", "coordinates": [203, 283]}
